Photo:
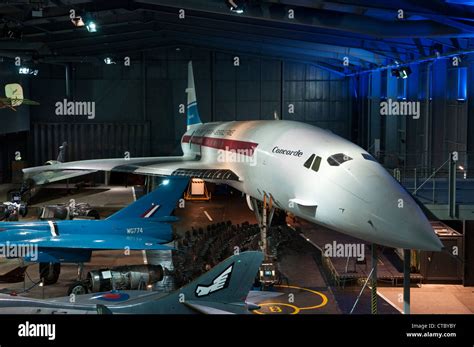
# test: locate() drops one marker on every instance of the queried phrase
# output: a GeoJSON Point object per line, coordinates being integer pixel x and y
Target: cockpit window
{"type": "Point", "coordinates": [316, 164]}
{"type": "Point", "coordinates": [338, 159]}
{"type": "Point", "coordinates": [308, 162]}
{"type": "Point", "coordinates": [368, 157]}
{"type": "Point", "coordinates": [313, 163]}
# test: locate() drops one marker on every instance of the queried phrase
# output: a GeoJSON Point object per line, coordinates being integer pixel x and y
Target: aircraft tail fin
{"type": "Point", "coordinates": [158, 204]}
{"type": "Point", "coordinates": [192, 112]}
{"type": "Point", "coordinates": [227, 283]}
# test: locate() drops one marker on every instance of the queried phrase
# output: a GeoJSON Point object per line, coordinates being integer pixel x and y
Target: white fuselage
{"type": "Point", "coordinates": [355, 195]}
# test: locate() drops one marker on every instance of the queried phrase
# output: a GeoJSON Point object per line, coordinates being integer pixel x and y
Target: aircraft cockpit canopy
{"type": "Point", "coordinates": [368, 157]}
{"type": "Point", "coordinates": [338, 159]}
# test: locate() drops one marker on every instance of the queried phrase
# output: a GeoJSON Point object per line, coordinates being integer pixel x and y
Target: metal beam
{"type": "Point", "coordinates": [333, 20]}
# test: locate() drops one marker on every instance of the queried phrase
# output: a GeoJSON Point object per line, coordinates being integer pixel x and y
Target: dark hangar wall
{"type": "Point", "coordinates": [13, 124]}
{"type": "Point", "coordinates": [446, 122]}
{"type": "Point", "coordinates": [137, 107]}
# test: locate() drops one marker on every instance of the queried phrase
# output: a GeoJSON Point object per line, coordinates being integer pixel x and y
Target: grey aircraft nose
{"type": "Point", "coordinates": [385, 213]}
{"type": "Point", "coordinates": [404, 222]}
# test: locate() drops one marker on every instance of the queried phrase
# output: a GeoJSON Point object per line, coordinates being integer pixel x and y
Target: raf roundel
{"type": "Point", "coordinates": [115, 297]}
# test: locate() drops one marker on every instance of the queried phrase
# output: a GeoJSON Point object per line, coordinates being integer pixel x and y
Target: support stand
{"type": "Point", "coordinates": [406, 280]}
{"type": "Point", "coordinates": [107, 178]}
{"type": "Point", "coordinates": [268, 273]}
{"type": "Point", "coordinates": [264, 220]}
{"type": "Point", "coordinates": [80, 271]}
{"type": "Point", "coordinates": [372, 278]}
{"type": "Point", "coordinates": [373, 290]}
{"type": "Point", "coordinates": [452, 185]}
{"type": "Point", "coordinates": [361, 291]}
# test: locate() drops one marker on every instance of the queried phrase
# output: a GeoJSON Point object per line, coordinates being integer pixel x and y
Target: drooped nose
{"type": "Point", "coordinates": [395, 214]}
{"type": "Point", "coordinates": [378, 209]}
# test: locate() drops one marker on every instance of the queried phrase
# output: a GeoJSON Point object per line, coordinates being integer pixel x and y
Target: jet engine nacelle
{"type": "Point", "coordinates": [124, 277]}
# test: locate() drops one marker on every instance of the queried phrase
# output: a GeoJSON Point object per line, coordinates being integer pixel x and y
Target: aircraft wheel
{"type": "Point", "coordinates": [77, 288]}
{"type": "Point", "coordinates": [49, 272]}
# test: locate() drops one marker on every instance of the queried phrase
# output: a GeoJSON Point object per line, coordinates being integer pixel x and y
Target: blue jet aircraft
{"type": "Point", "coordinates": [143, 225]}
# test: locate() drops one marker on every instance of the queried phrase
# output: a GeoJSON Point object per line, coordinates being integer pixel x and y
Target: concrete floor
{"type": "Point", "coordinates": [433, 299]}
{"type": "Point", "coordinates": [305, 291]}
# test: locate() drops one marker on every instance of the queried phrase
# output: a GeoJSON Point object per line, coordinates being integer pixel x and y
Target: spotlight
{"type": "Point", "coordinates": [109, 61]}
{"type": "Point", "coordinates": [91, 25]}
{"type": "Point", "coordinates": [237, 6]}
{"type": "Point", "coordinates": [77, 21]}
{"type": "Point", "coordinates": [166, 182]}
{"type": "Point", "coordinates": [405, 72]}
{"type": "Point", "coordinates": [25, 70]}
{"type": "Point", "coordinates": [401, 72]}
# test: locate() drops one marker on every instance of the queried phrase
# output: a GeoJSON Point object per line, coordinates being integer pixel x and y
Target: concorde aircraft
{"type": "Point", "coordinates": [143, 225]}
{"type": "Point", "coordinates": [307, 171]}
{"type": "Point", "coordinates": [222, 290]}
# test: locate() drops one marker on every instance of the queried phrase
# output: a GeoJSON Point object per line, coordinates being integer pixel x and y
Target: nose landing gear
{"type": "Point", "coordinates": [268, 274]}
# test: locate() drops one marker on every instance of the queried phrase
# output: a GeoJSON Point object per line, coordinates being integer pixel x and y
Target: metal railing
{"type": "Point", "coordinates": [431, 184]}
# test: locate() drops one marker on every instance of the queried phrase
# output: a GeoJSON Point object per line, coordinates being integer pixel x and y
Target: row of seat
{"type": "Point", "coordinates": [203, 248]}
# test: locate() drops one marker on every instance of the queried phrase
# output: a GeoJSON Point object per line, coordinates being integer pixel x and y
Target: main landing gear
{"type": "Point", "coordinates": [49, 272]}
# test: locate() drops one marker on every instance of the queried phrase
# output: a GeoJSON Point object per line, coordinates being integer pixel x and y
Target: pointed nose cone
{"type": "Point", "coordinates": [398, 216]}
{"type": "Point", "coordinates": [379, 209]}
{"type": "Point", "coordinates": [424, 234]}
{"type": "Point", "coordinates": [419, 234]}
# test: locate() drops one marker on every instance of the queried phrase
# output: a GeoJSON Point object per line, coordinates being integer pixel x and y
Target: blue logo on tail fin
{"type": "Point", "coordinates": [193, 114]}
